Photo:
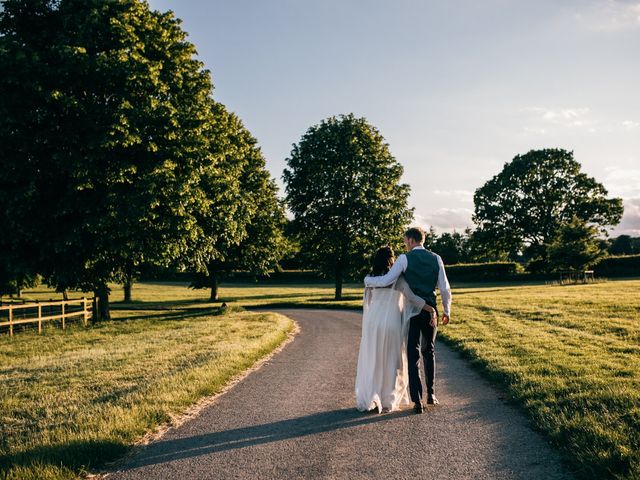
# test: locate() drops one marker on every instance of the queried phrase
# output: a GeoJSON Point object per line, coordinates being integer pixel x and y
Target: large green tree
{"type": "Point", "coordinates": [521, 208]}
{"type": "Point", "coordinates": [244, 220]}
{"type": "Point", "coordinates": [343, 188]}
{"type": "Point", "coordinates": [104, 123]}
{"type": "Point", "coordinates": [576, 246]}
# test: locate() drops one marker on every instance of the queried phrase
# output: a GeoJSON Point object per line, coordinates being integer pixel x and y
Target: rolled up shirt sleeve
{"type": "Point", "coordinates": [391, 276]}
{"type": "Point", "coordinates": [444, 287]}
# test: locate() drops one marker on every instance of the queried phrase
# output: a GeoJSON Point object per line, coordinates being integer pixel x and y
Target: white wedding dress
{"type": "Point", "coordinates": [382, 377]}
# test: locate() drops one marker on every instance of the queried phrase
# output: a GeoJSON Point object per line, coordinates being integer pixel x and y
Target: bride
{"type": "Point", "coordinates": [381, 378]}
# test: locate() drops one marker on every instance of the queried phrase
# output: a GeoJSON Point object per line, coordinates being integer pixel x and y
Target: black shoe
{"type": "Point", "coordinates": [432, 400]}
{"type": "Point", "coordinates": [418, 408]}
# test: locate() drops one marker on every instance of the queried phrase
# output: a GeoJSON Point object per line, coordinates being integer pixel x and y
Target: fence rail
{"type": "Point", "coordinates": [82, 307]}
{"type": "Point", "coordinates": [576, 275]}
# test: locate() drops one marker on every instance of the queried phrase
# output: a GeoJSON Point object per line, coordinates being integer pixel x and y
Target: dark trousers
{"type": "Point", "coordinates": [420, 324]}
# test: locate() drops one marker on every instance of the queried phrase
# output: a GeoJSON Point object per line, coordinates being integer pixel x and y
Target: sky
{"type": "Point", "coordinates": [457, 88]}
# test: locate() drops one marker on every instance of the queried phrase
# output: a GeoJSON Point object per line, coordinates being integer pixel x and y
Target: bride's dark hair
{"type": "Point", "coordinates": [382, 261]}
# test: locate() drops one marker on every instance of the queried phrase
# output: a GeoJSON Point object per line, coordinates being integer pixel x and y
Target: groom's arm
{"type": "Point", "coordinates": [391, 276]}
{"type": "Point", "coordinates": [444, 287]}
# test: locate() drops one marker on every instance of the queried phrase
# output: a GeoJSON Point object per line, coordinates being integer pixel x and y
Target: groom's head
{"type": "Point", "coordinates": [413, 237]}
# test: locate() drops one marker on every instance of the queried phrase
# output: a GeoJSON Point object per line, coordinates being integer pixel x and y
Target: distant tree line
{"type": "Point", "coordinates": [540, 211]}
{"type": "Point", "coordinates": [464, 247]}
{"type": "Point", "coordinates": [623, 245]}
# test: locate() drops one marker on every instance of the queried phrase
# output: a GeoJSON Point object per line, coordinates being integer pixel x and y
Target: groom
{"type": "Point", "coordinates": [423, 271]}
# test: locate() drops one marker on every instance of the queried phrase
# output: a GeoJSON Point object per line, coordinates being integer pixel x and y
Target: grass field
{"type": "Point", "coordinates": [158, 295]}
{"type": "Point", "coordinates": [71, 400]}
{"type": "Point", "coordinates": [568, 355]}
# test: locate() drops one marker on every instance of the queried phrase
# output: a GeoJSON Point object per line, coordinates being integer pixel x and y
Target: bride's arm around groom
{"type": "Point", "coordinates": [400, 266]}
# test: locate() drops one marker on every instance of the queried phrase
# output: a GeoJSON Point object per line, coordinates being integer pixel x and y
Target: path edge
{"type": "Point", "coordinates": [194, 410]}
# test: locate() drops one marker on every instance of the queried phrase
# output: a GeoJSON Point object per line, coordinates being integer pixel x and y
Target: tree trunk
{"type": "Point", "coordinates": [214, 287]}
{"type": "Point", "coordinates": [65, 295]}
{"type": "Point", "coordinates": [102, 292]}
{"type": "Point", "coordinates": [128, 282]}
{"type": "Point", "coordinates": [338, 282]}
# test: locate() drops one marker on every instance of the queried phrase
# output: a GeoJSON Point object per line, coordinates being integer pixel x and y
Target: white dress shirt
{"type": "Point", "coordinates": [400, 266]}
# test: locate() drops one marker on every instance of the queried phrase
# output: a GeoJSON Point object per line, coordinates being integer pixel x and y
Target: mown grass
{"type": "Point", "coordinates": [568, 355]}
{"type": "Point", "coordinates": [71, 400]}
{"type": "Point", "coordinates": [172, 295]}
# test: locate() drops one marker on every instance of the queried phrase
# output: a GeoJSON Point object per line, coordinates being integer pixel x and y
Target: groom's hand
{"type": "Point", "coordinates": [445, 319]}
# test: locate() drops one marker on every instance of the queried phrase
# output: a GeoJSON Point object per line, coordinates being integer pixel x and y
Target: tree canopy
{"type": "Point", "coordinates": [521, 208]}
{"type": "Point", "coordinates": [343, 188]}
{"type": "Point", "coordinates": [244, 221]}
{"type": "Point", "coordinates": [104, 120]}
{"type": "Point", "coordinates": [576, 246]}
{"type": "Point", "coordinates": [624, 245]}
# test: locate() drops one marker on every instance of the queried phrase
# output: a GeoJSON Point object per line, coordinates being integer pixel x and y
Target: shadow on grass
{"type": "Point", "coordinates": [181, 448]}
{"type": "Point", "coordinates": [264, 296]}
{"type": "Point", "coordinates": [76, 456]}
{"type": "Point", "coordinates": [306, 306]}
{"type": "Point", "coordinates": [157, 305]}
{"type": "Point", "coordinates": [168, 304]}
{"type": "Point", "coordinates": [176, 314]}
{"type": "Point", "coordinates": [343, 299]}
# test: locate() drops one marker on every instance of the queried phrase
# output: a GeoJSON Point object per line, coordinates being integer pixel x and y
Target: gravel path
{"type": "Point", "coordinates": [295, 418]}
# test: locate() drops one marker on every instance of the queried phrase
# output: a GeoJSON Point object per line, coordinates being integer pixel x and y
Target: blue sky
{"type": "Point", "coordinates": [457, 88]}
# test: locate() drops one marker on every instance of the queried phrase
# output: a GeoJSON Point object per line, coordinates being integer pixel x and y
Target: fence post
{"type": "Point", "coordinates": [10, 320]}
{"type": "Point", "coordinates": [39, 317]}
{"type": "Point", "coordinates": [63, 303]}
{"type": "Point", "coordinates": [86, 313]}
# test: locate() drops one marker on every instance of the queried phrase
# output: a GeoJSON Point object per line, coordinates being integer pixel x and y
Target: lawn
{"type": "Point", "coordinates": [71, 400]}
{"type": "Point", "coordinates": [569, 356]}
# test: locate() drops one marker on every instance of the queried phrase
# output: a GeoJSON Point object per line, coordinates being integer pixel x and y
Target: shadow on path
{"type": "Point", "coordinates": [181, 448]}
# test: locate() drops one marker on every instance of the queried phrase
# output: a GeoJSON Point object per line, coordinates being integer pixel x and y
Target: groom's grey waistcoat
{"type": "Point", "coordinates": [422, 274]}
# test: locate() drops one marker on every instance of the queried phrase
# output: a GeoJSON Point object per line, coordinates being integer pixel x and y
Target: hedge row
{"type": "Point", "coordinates": [619, 266]}
{"type": "Point", "coordinates": [472, 272]}
{"type": "Point", "coordinates": [616, 266]}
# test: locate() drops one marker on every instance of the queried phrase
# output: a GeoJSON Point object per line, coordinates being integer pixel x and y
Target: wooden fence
{"type": "Point", "coordinates": [574, 276]}
{"type": "Point", "coordinates": [21, 314]}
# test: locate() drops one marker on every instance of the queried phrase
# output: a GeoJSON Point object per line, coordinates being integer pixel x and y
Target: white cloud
{"type": "Point", "coordinates": [541, 120]}
{"type": "Point", "coordinates": [630, 125]}
{"type": "Point", "coordinates": [623, 182]}
{"type": "Point", "coordinates": [630, 224]}
{"type": "Point", "coordinates": [566, 117]}
{"type": "Point", "coordinates": [446, 219]}
{"type": "Point", "coordinates": [463, 195]}
{"type": "Point", "coordinates": [610, 15]}
{"type": "Point", "coordinates": [535, 130]}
